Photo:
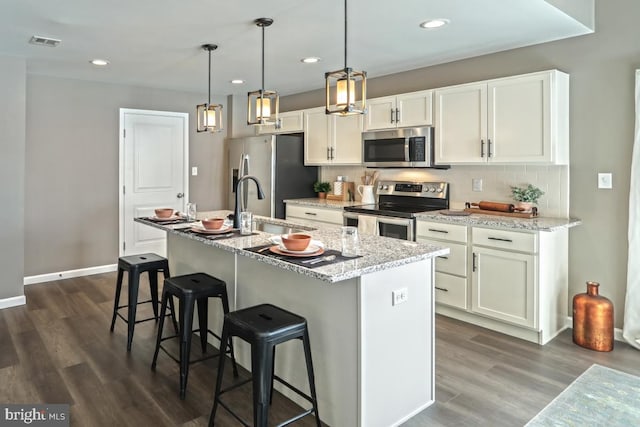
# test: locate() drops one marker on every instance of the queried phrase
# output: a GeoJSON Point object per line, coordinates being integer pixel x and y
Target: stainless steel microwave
{"type": "Point", "coordinates": [399, 148]}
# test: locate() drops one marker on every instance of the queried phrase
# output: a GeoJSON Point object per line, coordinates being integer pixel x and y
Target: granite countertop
{"type": "Point", "coordinates": [323, 203]}
{"type": "Point", "coordinates": [502, 222]}
{"type": "Point", "coordinates": [378, 253]}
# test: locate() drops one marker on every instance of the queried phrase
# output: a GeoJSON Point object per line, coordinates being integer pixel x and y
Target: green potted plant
{"type": "Point", "coordinates": [526, 196]}
{"type": "Point", "coordinates": [322, 188]}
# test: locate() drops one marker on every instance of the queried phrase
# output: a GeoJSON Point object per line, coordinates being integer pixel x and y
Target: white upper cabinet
{"type": "Point", "coordinates": [290, 122]}
{"type": "Point", "coordinates": [332, 140]}
{"type": "Point", "coordinates": [521, 119]}
{"type": "Point", "coordinates": [409, 109]}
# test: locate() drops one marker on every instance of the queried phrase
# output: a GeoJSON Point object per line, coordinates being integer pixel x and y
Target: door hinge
{"type": "Point", "coordinates": [124, 190]}
{"type": "Point", "coordinates": [124, 246]}
{"type": "Point", "coordinates": [124, 133]}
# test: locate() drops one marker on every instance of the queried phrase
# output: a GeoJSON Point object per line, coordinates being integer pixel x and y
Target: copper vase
{"type": "Point", "coordinates": [593, 320]}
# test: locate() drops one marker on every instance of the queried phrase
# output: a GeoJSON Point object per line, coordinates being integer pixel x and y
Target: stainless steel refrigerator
{"type": "Point", "coordinates": [277, 161]}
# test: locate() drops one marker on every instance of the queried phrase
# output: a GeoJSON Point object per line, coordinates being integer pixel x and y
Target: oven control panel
{"type": "Point", "coordinates": [439, 190]}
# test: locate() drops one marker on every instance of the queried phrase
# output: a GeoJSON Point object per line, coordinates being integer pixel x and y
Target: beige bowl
{"type": "Point", "coordinates": [296, 242]}
{"type": "Point", "coordinates": [212, 223]}
{"type": "Point", "coordinates": [164, 212]}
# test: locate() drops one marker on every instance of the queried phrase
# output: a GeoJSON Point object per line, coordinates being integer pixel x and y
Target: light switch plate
{"type": "Point", "coordinates": [476, 184]}
{"type": "Point", "coordinates": [605, 180]}
{"type": "Point", "coordinates": [194, 171]}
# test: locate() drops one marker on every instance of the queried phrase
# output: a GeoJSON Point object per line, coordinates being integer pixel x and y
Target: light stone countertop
{"type": "Point", "coordinates": [323, 203]}
{"type": "Point", "coordinates": [502, 222]}
{"type": "Point", "coordinates": [478, 220]}
{"type": "Point", "coordinates": [378, 253]}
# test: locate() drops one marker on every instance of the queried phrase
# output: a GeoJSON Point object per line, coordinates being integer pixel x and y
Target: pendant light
{"type": "Point", "coordinates": [344, 83]}
{"type": "Point", "coordinates": [263, 105]}
{"type": "Point", "coordinates": [209, 116]}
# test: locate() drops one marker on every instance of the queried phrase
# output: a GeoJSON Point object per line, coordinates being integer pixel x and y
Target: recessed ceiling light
{"type": "Point", "coordinates": [99, 62]}
{"type": "Point", "coordinates": [434, 23]}
{"type": "Point", "coordinates": [237, 81]}
{"type": "Point", "coordinates": [310, 60]}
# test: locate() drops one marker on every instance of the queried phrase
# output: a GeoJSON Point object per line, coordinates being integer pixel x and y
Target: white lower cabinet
{"type": "Point", "coordinates": [451, 269]}
{"type": "Point", "coordinates": [325, 215]}
{"type": "Point", "coordinates": [503, 285]}
{"type": "Point", "coordinates": [514, 282]}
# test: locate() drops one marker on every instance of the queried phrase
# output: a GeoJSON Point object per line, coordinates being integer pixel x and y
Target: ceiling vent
{"type": "Point", "coordinates": [44, 41]}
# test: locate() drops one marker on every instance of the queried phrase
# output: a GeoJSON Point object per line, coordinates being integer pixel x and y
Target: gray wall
{"type": "Point", "coordinates": [12, 146]}
{"type": "Point", "coordinates": [71, 206]}
{"type": "Point", "coordinates": [602, 67]}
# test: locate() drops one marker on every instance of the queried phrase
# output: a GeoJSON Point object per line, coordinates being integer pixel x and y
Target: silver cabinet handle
{"type": "Point", "coordinates": [180, 195]}
{"type": "Point", "coordinates": [392, 115]}
{"type": "Point", "coordinates": [438, 231]}
{"type": "Point", "coordinates": [473, 263]}
{"type": "Point", "coordinates": [500, 239]}
{"type": "Point", "coordinates": [331, 150]}
{"type": "Point", "coordinates": [397, 115]}
{"type": "Point", "coordinates": [311, 213]}
{"type": "Point", "coordinates": [442, 289]}
{"type": "Point", "coordinates": [482, 148]}
{"type": "Point", "coordinates": [443, 257]}
{"type": "Point", "coordinates": [489, 153]}
{"type": "Point", "coordinates": [328, 151]}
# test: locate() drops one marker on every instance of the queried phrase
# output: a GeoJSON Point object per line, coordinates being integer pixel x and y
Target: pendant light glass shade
{"type": "Point", "coordinates": [209, 115]}
{"type": "Point", "coordinates": [263, 105]}
{"type": "Point", "coordinates": [346, 89]}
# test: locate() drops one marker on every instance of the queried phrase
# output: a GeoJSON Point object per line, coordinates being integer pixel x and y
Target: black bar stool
{"type": "Point", "coordinates": [189, 289]}
{"type": "Point", "coordinates": [135, 265]}
{"type": "Point", "coordinates": [265, 326]}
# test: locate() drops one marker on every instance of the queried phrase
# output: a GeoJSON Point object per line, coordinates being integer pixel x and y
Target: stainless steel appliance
{"type": "Point", "coordinates": [398, 202]}
{"type": "Point", "coordinates": [404, 148]}
{"type": "Point", "coordinates": [277, 161]}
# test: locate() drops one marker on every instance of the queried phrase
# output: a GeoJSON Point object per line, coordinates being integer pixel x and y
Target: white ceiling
{"type": "Point", "coordinates": [157, 43]}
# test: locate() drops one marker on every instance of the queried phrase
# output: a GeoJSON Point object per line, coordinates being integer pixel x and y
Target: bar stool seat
{"type": "Point", "coordinates": [263, 327]}
{"type": "Point", "coordinates": [192, 289]}
{"type": "Point", "coordinates": [135, 265]}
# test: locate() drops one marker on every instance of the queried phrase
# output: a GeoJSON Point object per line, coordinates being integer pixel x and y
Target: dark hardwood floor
{"type": "Point", "coordinates": [58, 349]}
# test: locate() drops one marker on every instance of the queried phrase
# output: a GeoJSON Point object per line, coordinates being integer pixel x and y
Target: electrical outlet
{"type": "Point", "coordinates": [194, 171]}
{"type": "Point", "coordinates": [399, 296]}
{"type": "Point", "coordinates": [605, 180]}
{"type": "Point", "coordinates": [476, 184]}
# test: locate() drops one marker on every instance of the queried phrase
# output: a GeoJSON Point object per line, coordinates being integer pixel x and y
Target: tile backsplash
{"type": "Point", "coordinates": [496, 182]}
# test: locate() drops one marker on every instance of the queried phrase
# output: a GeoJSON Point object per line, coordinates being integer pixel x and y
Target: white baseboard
{"type": "Point", "coordinates": [617, 332]}
{"type": "Point", "coordinates": [30, 280]}
{"type": "Point", "coordinates": [12, 302]}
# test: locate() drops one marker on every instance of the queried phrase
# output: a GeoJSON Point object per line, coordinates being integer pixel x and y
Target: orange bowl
{"type": "Point", "coordinates": [212, 223]}
{"type": "Point", "coordinates": [164, 212]}
{"type": "Point", "coordinates": [296, 242]}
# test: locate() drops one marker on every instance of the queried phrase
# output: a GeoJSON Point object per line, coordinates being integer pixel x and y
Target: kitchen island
{"type": "Point", "coordinates": [373, 359]}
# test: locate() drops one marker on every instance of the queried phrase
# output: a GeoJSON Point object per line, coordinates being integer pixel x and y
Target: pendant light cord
{"type": "Point", "coordinates": [345, 33]}
{"type": "Point", "coordinates": [209, 103]}
{"type": "Point", "coordinates": [263, 58]}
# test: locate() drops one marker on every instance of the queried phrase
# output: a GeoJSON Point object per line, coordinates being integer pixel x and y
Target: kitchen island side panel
{"type": "Point", "coordinates": [397, 344]}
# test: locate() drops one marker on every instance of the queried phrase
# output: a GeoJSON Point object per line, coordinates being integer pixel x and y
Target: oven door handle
{"type": "Point", "coordinates": [392, 221]}
{"type": "Point", "coordinates": [350, 215]}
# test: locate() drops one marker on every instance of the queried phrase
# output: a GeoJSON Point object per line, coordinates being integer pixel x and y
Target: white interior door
{"type": "Point", "coordinates": [153, 173]}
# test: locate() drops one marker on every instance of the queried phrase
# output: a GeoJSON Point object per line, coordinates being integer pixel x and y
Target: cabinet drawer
{"type": "Point", "coordinates": [451, 290]}
{"type": "Point", "coordinates": [333, 216]}
{"type": "Point", "coordinates": [510, 240]}
{"type": "Point", "coordinates": [455, 262]}
{"type": "Point", "coordinates": [438, 230]}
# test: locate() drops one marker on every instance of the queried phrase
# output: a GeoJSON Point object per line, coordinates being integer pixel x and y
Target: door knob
{"type": "Point", "coordinates": [180, 195]}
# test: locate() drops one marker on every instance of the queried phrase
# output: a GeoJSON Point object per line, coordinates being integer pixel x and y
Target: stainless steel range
{"type": "Point", "coordinates": [398, 203]}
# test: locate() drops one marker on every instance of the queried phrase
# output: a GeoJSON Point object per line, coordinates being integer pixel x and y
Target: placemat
{"type": "Point", "coordinates": [264, 250]}
{"type": "Point", "coordinates": [165, 222]}
{"type": "Point", "coordinates": [230, 234]}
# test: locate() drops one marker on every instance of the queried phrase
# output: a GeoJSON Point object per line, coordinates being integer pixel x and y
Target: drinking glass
{"type": "Point", "coordinates": [245, 222]}
{"type": "Point", "coordinates": [191, 212]}
{"type": "Point", "coordinates": [349, 241]}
